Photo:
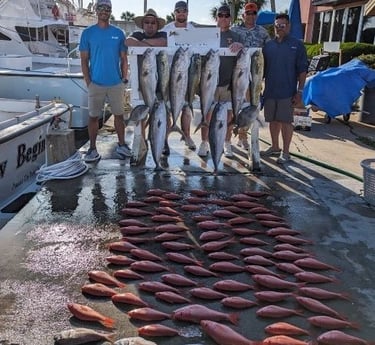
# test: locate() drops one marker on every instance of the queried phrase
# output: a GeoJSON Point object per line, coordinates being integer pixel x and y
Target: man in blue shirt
{"type": "Point", "coordinates": [105, 68]}
{"type": "Point", "coordinates": [285, 74]}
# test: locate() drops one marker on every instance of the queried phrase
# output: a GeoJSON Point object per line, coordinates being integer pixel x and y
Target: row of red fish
{"type": "Point", "coordinates": [237, 221]}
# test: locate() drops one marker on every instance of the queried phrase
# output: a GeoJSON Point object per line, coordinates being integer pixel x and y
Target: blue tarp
{"type": "Point", "coordinates": [295, 19]}
{"type": "Point", "coordinates": [266, 18]}
{"type": "Point", "coordinates": [336, 89]}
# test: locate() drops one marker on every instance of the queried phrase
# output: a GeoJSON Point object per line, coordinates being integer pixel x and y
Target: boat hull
{"type": "Point", "coordinates": [23, 148]}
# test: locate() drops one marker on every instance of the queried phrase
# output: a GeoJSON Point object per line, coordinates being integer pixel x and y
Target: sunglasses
{"type": "Point", "coordinates": [223, 15]}
{"type": "Point", "coordinates": [281, 26]}
{"type": "Point", "coordinates": [251, 13]}
{"type": "Point", "coordinates": [104, 9]}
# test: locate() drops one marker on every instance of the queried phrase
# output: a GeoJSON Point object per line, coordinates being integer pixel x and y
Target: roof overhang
{"type": "Point", "coordinates": [370, 8]}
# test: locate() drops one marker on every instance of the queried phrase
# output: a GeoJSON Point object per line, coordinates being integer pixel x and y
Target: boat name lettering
{"type": "Point", "coordinates": [3, 166]}
{"type": "Point", "coordinates": [29, 175]}
{"type": "Point", "coordinates": [30, 154]}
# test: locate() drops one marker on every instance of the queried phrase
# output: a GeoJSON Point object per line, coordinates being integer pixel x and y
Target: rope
{"type": "Point", "coordinates": [71, 168]}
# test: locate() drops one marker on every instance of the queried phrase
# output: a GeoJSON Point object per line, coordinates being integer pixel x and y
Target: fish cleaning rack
{"type": "Point", "coordinates": [134, 52]}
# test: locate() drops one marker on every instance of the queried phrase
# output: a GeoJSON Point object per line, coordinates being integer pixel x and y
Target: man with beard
{"type": "Point", "coordinates": [181, 21]}
{"type": "Point", "coordinates": [105, 67]}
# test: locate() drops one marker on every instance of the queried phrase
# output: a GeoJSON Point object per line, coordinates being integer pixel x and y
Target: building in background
{"type": "Point", "coordinates": [338, 20]}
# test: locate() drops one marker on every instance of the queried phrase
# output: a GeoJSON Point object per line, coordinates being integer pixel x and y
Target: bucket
{"type": "Point", "coordinates": [368, 166]}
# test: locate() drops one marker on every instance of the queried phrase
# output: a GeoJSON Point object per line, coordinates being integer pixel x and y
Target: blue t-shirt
{"type": "Point", "coordinates": [104, 46]}
{"type": "Point", "coordinates": [284, 61]}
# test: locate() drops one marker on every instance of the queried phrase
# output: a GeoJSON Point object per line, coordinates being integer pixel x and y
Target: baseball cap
{"type": "Point", "coordinates": [250, 6]}
{"type": "Point", "coordinates": [223, 9]}
{"type": "Point", "coordinates": [180, 5]}
{"type": "Point", "coordinates": [104, 3]}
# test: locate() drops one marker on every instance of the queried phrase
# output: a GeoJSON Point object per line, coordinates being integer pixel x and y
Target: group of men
{"type": "Point", "coordinates": [103, 50]}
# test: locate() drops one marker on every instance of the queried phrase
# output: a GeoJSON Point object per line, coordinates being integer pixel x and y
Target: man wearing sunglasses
{"type": "Point", "coordinates": [285, 74]}
{"type": "Point", "coordinates": [181, 13]}
{"type": "Point", "coordinates": [228, 39]}
{"type": "Point", "coordinates": [252, 35]}
{"type": "Point", "coordinates": [105, 67]}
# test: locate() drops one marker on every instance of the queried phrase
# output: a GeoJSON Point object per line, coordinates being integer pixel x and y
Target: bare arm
{"type": "Point", "coordinates": [124, 65]}
{"type": "Point", "coordinates": [85, 67]}
{"type": "Point", "coordinates": [149, 42]}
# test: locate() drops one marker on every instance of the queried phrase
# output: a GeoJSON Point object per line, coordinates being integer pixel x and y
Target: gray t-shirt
{"type": "Point", "coordinates": [254, 37]}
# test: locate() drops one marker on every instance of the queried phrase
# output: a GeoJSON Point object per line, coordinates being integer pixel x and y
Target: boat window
{"type": "Point", "coordinates": [32, 34]}
{"type": "Point", "coordinates": [4, 37]}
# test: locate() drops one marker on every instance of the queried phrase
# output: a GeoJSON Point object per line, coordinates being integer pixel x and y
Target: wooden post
{"type": "Point", "coordinates": [60, 146]}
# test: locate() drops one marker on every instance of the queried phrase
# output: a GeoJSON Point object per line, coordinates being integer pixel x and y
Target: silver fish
{"type": "Point", "coordinates": [81, 336]}
{"type": "Point", "coordinates": [240, 81]}
{"type": "Point", "coordinates": [208, 83]}
{"type": "Point", "coordinates": [163, 69]}
{"type": "Point", "coordinates": [134, 341]}
{"type": "Point", "coordinates": [216, 133]}
{"type": "Point", "coordinates": [148, 77]}
{"type": "Point", "coordinates": [178, 82]}
{"type": "Point", "coordinates": [257, 70]}
{"type": "Point", "coordinates": [158, 131]}
{"type": "Point", "coordinates": [248, 117]}
{"type": "Point", "coordinates": [138, 114]}
{"type": "Point", "coordinates": [194, 76]}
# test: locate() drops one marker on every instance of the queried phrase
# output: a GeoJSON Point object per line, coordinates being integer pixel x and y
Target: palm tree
{"type": "Point", "coordinates": [127, 16]}
{"type": "Point", "coordinates": [170, 18]}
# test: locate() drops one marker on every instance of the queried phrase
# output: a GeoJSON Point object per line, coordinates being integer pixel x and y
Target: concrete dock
{"type": "Point", "coordinates": [48, 248]}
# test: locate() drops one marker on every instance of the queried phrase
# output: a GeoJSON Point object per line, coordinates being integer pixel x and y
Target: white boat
{"type": "Point", "coordinates": [38, 52]}
{"type": "Point", "coordinates": [24, 125]}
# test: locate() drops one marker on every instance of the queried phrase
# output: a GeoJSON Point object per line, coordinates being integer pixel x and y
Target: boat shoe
{"type": "Point", "coordinates": [92, 155]}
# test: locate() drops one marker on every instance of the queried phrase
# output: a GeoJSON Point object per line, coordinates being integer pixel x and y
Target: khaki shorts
{"type": "Point", "coordinates": [280, 110]}
{"type": "Point", "coordinates": [223, 94]}
{"type": "Point", "coordinates": [114, 95]}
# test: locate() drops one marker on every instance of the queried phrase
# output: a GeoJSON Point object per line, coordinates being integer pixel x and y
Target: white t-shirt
{"type": "Point", "coordinates": [170, 27]}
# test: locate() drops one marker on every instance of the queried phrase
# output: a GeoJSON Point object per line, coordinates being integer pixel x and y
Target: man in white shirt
{"type": "Point", "coordinates": [181, 15]}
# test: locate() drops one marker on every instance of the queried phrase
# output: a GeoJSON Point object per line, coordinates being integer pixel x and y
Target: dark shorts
{"type": "Point", "coordinates": [280, 110]}
{"type": "Point", "coordinates": [97, 95]}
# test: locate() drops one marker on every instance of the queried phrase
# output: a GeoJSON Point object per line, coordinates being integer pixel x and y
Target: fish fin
{"type": "Point", "coordinates": [234, 318]}
{"type": "Point", "coordinates": [108, 322]}
{"type": "Point", "coordinates": [175, 128]}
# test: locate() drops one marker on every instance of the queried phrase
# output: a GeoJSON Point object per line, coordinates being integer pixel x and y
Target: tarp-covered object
{"type": "Point", "coordinates": [295, 19]}
{"type": "Point", "coordinates": [336, 89]}
{"type": "Point", "coordinates": [266, 18]}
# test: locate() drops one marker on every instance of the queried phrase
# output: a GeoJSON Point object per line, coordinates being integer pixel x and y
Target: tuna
{"type": "Point", "coordinates": [148, 77]}
{"type": "Point", "coordinates": [157, 131]}
{"type": "Point", "coordinates": [163, 70]}
{"type": "Point", "coordinates": [257, 67]}
{"type": "Point", "coordinates": [178, 83]}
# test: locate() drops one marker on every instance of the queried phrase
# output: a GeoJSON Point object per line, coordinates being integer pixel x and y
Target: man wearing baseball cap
{"type": "Point", "coordinates": [104, 66]}
{"type": "Point", "coordinates": [252, 35]}
{"type": "Point", "coordinates": [181, 12]}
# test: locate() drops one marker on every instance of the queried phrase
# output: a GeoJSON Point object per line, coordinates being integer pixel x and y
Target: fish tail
{"type": "Point", "coordinates": [175, 128]}
{"type": "Point", "coordinates": [354, 325]}
{"type": "Point", "coordinates": [234, 318]}
{"type": "Point", "coordinates": [108, 322]}
{"type": "Point", "coordinates": [346, 296]}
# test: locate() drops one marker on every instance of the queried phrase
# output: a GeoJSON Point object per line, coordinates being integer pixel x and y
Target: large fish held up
{"type": "Point", "coordinates": [208, 83]}
{"type": "Point", "coordinates": [163, 70]}
{"type": "Point", "coordinates": [248, 117]}
{"type": "Point", "coordinates": [178, 82]}
{"type": "Point", "coordinates": [158, 131]}
{"type": "Point", "coordinates": [216, 133]}
{"type": "Point", "coordinates": [148, 77]}
{"type": "Point", "coordinates": [257, 70]}
{"type": "Point", "coordinates": [194, 77]}
{"type": "Point", "coordinates": [240, 81]}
